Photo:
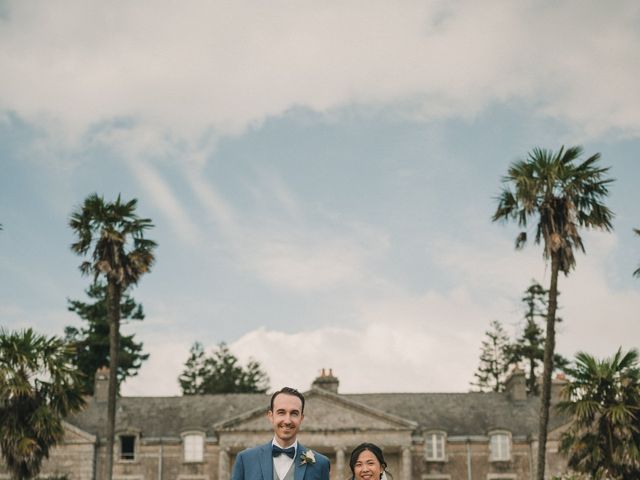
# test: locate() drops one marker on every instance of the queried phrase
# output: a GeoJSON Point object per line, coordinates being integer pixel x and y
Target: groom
{"type": "Point", "coordinates": [283, 458]}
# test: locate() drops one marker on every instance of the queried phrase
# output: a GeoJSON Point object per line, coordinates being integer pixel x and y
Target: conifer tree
{"type": "Point", "coordinates": [494, 360]}
{"type": "Point", "coordinates": [220, 372]}
{"type": "Point", "coordinates": [91, 341]}
{"type": "Point", "coordinates": [529, 346]}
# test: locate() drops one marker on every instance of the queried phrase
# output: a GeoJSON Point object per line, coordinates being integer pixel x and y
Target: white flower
{"type": "Point", "coordinates": [307, 457]}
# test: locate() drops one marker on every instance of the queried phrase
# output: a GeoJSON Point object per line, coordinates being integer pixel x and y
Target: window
{"type": "Point", "coordinates": [434, 446]}
{"type": "Point", "coordinates": [500, 447]}
{"type": "Point", "coordinates": [193, 447]}
{"type": "Point", "coordinates": [127, 447]}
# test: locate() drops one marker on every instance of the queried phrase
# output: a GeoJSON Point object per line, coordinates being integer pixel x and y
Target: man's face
{"type": "Point", "coordinates": [286, 418]}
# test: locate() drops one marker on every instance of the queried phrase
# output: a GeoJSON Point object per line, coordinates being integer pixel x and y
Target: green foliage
{"type": "Point", "coordinates": [91, 341]}
{"type": "Point", "coordinates": [529, 346]}
{"type": "Point", "coordinates": [113, 236]}
{"type": "Point", "coordinates": [494, 360]}
{"type": "Point", "coordinates": [603, 399]}
{"type": "Point", "coordinates": [559, 194]}
{"type": "Point", "coordinates": [39, 386]}
{"type": "Point", "coordinates": [220, 373]}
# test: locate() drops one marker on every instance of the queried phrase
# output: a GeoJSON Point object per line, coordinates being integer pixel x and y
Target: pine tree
{"type": "Point", "coordinates": [529, 346]}
{"type": "Point", "coordinates": [494, 360]}
{"type": "Point", "coordinates": [91, 341]}
{"type": "Point", "coordinates": [220, 373]}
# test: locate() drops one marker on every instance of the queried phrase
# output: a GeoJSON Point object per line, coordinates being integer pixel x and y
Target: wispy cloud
{"type": "Point", "coordinates": [430, 341]}
{"type": "Point", "coordinates": [281, 242]}
{"type": "Point", "coordinates": [162, 195]}
{"type": "Point", "coordinates": [215, 206]}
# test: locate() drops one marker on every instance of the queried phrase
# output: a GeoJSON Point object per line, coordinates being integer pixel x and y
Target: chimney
{"type": "Point", "coordinates": [101, 385]}
{"type": "Point", "coordinates": [516, 385]}
{"type": "Point", "coordinates": [557, 384]}
{"type": "Point", "coordinates": [326, 381]}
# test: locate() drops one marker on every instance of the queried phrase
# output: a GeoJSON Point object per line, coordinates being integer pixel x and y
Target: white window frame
{"type": "Point", "coordinates": [136, 439]}
{"type": "Point", "coordinates": [437, 439]}
{"type": "Point", "coordinates": [500, 446]}
{"type": "Point", "coordinates": [196, 455]}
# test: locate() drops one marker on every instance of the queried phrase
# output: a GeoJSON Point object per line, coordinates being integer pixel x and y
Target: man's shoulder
{"type": "Point", "coordinates": [321, 458]}
{"type": "Point", "coordinates": [253, 450]}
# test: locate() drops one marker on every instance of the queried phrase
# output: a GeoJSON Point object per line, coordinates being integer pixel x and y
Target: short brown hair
{"type": "Point", "coordinates": [287, 391]}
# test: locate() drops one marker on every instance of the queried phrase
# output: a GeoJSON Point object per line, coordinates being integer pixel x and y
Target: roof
{"type": "Point", "coordinates": [468, 414]}
{"type": "Point", "coordinates": [459, 413]}
{"type": "Point", "coordinates": [168, 416]}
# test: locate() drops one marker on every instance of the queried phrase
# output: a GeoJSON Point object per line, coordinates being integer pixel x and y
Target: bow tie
{"type": "Point", "coordinates": [276, 451]}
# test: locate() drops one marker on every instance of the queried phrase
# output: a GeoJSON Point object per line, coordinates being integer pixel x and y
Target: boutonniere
{"type": "Point", "coordinates": [307, 457]}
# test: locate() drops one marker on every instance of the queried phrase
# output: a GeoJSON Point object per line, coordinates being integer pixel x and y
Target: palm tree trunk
{"type": "Point", "coordinates": [531, 381]}
{"type": "Point", "coordinates": [549, 348]}
{"type": "Point", "coordinates": [114, 292]}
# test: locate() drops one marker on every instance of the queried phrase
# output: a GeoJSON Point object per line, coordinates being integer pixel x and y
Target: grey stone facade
{"type": "Point", "coordinates": [163, 435]}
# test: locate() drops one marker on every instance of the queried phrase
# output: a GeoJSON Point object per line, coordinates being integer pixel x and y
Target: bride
{"type": "Point", "coordinates": [367, 463]}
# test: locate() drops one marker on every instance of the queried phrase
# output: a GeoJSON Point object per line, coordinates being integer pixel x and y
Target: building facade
{"type": "Point", "coordinates": [425, 436]}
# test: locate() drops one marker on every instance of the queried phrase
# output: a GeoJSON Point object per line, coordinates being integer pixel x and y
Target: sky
{"type": "Point", "coordinates": [321, 175]}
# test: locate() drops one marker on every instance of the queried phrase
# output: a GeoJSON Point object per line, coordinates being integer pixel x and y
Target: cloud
{"type": "Point", "coordinates": [402, 340]}
{"type": "Point", "coordinates": [431, 341]}
{"type": "Point", "coordinates": [283, 242]}
{"type": "Point", "coordinates": [305, 260]}
{"type": "Point", "coordinates": [224, 66]}
{"type": "Point", "coordinates": [162, 195]}
{"type": "Point", "coordinates": [159, 374]}
{"type": "Point", "coordinates": [426, 342]}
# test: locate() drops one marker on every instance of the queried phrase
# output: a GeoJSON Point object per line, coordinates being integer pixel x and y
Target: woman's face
{"type": "Point", "coordinates": [367, 467]}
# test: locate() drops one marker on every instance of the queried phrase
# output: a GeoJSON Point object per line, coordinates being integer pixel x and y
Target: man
{"type": "Point", "coordinates": [284, 458]}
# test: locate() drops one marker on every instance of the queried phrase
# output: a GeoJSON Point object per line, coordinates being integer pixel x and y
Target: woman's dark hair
{"type": "Point", "coordinates": [373, 448]}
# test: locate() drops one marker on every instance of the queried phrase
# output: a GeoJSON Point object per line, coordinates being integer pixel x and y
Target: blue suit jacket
{"type": "Point", "coordinates": [257, 464]}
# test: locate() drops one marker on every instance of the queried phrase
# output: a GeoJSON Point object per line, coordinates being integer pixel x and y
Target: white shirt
{"type": "Point", "coordinates": [282, 463]}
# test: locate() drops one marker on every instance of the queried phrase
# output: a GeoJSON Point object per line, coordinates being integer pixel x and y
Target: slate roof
{"type": "Point", "coordinates": [455, 413]}
{"type": "Point", "coordinates": [168, 416]}
{"type": "Point", "coordinates": [459, 413]}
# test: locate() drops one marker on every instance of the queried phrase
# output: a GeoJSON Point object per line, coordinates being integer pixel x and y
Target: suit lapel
{"type": "Point", "coordinates": [266, 462]}
{"type": "Point", "coordinates": [300, 468]}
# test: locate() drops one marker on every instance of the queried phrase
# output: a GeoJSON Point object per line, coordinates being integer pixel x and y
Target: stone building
{"type": "Point", "coordinates": [425, 436]}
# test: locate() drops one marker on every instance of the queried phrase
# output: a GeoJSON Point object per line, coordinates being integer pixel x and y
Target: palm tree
{"type": "Point", "coordinates": [603, 399]}
{"type": "Point", "coordinates": [561, 195]}
{"type": "Point", "coordinates": [39, 385]}
{"type": "Point", "coordinates": [636, 273]}
{"type": "Point", "coordinates": [115, 236]}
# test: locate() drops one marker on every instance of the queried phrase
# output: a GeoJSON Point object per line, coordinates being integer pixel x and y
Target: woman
{"type": "Point", "coordinates": [367, 463]}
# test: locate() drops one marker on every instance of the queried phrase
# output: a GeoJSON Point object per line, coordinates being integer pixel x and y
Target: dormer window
{"type": "Point", "coordinates": [127, 447]}
{"type": "Point", "coordinates": [500, 446]}
{"type": "Point", "coordinates": [193, 447]}
{"type": "Point", "coordinates": [434, 446]}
